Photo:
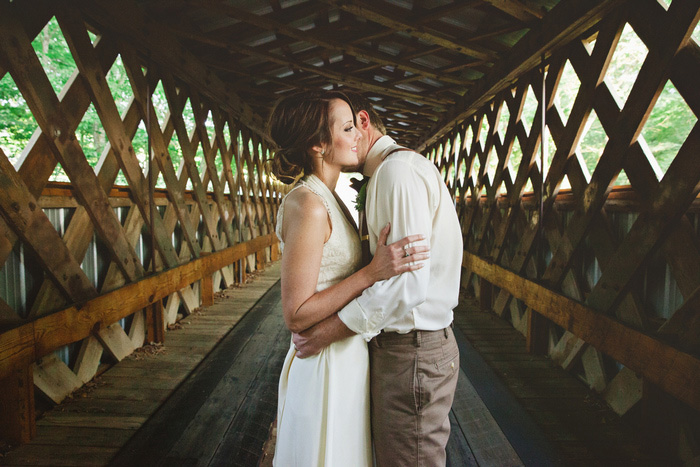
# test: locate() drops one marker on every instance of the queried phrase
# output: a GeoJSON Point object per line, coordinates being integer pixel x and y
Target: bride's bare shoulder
{"type": "Point", "coordinates": [304, 205]}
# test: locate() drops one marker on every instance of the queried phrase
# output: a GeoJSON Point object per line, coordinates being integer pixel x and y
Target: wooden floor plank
{"type": "Point", "coordinates": [459, 454]}
{"type": "Point", "coordinates": [81, 431]}
{"type": "Point", "coordinates": [83, 436]}
{"type": "Point", "coordinates": [486, 439]}
{"type": "Point", "coordinates": [69, 455]}
{"type": "Point", "coordinates": [576, 421]}
{"type": "Point", "coordinates": [210, 396]}
{"type": "Point", "coordinates": [250, 429]}
{"type": "Point", "coordinates": [157, 437]}
{"type": "Point", "coordinates": [208, 427]}
{"type": "Point", "coordinates": [99, 405]}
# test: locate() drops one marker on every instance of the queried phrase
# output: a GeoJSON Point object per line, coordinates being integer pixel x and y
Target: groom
{"type": "Point", "coordinates": [414, 359]}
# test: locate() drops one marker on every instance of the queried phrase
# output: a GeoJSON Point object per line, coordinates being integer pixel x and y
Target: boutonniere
{"type": "Point", "coordinates": [361, 197]}
{"type": "Point", "coordinates": [360, 186]}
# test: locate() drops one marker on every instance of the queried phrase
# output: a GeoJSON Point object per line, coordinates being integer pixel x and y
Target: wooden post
{"type": "Point", "coordinates": [241, 270]}
{"type": "Point", "coordinates": [659, 421]}
{"type": "Point", "coordinates": [17, 407]}
{"type": "Point", "coordinates": [537, 337]}
{"type": "Point", "coordinates": [155, 323]}
{"type": "Point", "coordinates": [485, 295]}
{"type": "Point", "coordinates": [206, 289]}
{"type": "Point", "coordinates": [260, 260]}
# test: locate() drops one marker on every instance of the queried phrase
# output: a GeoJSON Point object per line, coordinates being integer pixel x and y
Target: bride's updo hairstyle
{"type": "Point", "coordinates": [297, 123]}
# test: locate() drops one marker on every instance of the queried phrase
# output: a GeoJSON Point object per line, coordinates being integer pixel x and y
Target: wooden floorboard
{"type": "Point", "coordinates": [92, 427]}
{"type": "Point", "coordinates": [187, 422]}
{"type": "Point", "coordinates": [573, 419]}
{"type": "Point", "coordinates": [208, 397]}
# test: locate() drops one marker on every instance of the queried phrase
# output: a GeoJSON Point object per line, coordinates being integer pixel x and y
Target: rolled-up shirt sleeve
{"type": "Point", "coordinates": [398, 193]}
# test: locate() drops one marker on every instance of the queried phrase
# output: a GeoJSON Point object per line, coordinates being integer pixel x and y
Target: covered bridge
{"type": "Point", "coordinates": [566, 131]}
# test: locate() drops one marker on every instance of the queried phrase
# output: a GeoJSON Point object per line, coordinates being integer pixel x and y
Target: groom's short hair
{"type": "Point", "coordinates": [360, 102]}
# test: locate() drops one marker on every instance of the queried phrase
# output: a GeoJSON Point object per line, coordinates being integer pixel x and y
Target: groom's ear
{"type": "Point", "coordinates": [363, 120]}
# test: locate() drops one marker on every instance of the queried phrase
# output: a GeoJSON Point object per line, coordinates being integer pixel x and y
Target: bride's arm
{"type": "Point", "coordinates": [305, 230]}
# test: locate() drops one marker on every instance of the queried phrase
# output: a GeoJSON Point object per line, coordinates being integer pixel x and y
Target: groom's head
{"type": "Point", "coordinates": [369, 124]}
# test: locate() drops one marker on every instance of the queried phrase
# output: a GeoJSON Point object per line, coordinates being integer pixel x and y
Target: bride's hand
{"type": "Point", "coordinates": [390, 260]}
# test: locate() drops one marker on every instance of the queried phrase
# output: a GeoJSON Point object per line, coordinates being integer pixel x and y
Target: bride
{"type": "Point", "coordinates": [323, 402]}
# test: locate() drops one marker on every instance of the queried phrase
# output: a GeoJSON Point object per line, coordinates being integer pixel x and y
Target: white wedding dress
{"type": "Point", "coordinates": [323, 401]}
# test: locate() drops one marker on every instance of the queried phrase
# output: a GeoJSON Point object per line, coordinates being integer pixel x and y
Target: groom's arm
{"type": "Point", "coordinates": [316, 338]}
{"type": "Point", "coordinates": [405, 201]}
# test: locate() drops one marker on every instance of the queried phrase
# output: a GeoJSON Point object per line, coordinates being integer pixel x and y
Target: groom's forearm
{"type": "Point", "coordinates": [318, 337]}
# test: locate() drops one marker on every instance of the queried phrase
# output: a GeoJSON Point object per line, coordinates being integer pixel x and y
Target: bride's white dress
{"type": "Point", "coordinates": [323, 402]}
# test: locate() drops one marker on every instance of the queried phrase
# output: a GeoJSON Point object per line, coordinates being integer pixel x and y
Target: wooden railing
{"type": "Point", "coordinates": [23, 346]}
{"type": "Point", "coordinates": [673, 370]}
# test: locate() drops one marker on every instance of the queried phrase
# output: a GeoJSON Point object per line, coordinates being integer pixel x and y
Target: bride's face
{"type": "Point", "coordinates": [345, 135]}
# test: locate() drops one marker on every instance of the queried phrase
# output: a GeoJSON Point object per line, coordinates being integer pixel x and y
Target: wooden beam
{"type": "Point", "coordinates": [328, 44]}
{"type": "Point", "coordinates": [677, 372]}
{"type": "Point", "coordinates": [517, 9]}
{"type": "Point", "coordinates": [562, 24]}
{"type": "Point", "coordinates": [387, 18]}
{"type": "Point", "coordinates": [335, 77]}
{"type": "Point", "coordinates": [17, 406]}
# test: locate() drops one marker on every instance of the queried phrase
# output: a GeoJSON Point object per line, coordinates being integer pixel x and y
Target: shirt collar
{"type": "Point", "coordinates": [375, 156]}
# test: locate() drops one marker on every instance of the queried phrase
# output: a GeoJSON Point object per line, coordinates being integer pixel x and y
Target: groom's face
{"type": "Point", "coordinates": [362, 120]}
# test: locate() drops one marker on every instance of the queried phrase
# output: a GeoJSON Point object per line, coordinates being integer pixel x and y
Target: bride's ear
{"type": "Point", "coordinates": [318, 149]}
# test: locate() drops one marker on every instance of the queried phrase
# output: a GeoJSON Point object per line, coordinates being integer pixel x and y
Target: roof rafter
{"type": "Point", "coordinates": [321, 71]}
{"type": "Point", "coordinates": [325, 43]}
{"type": "Point", "coordinates": [376, 15]}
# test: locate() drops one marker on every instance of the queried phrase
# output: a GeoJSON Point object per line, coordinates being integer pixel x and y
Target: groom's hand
{"type": "Point", "coordinates": [313, 340]}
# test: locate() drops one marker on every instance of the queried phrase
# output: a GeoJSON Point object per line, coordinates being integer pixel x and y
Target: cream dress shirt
{"type": "Point", "coordinates": [407, 190]}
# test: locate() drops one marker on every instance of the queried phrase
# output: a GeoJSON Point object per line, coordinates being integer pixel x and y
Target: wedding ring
{"type": "Point", "coordinates": [407, 254]}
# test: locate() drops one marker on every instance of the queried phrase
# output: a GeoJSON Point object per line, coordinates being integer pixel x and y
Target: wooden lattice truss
{"type": "Point", "coordinates": [532, 246]}
{"type": "Point", "coordinates": [441, 77]}
{"type": "Point", "coordinates": [239, 206]}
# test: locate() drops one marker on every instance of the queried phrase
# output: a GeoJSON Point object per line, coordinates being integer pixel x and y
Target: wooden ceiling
{"type": "Point", "coordinates": [416, 59]}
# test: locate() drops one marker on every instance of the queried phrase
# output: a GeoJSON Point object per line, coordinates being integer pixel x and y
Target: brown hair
{"type": "Point", "coordinates": [297, 123]}
{"type": "Point", "coordinates": [359, 102]}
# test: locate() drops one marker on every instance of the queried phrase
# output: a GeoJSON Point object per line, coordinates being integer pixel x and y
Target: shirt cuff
{"type": "Point", "coordinates": [356, 319]}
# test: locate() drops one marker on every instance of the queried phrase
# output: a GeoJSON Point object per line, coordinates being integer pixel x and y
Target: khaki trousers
{"type": "Point", "coordinates": [412, 384]}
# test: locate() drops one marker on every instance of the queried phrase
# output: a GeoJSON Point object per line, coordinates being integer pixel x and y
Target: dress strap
{"type": "Point", "coordinates": [313, 190]}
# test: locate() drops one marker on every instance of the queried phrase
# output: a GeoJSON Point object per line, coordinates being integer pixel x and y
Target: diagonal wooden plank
{"type": "Point", "coordinates": [21, 211]}
{"type": "Point", "coordinates": [39, 162]}
{"type": "Point", "coordinates": [209, 148]}
{"type": "Point", "coordinates": [78, 234]}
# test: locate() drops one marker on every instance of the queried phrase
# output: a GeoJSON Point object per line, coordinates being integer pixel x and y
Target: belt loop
{"type": "Point", "coordinates": [445, 331]}
{"type": "Point", "coordinates": [418, 339]}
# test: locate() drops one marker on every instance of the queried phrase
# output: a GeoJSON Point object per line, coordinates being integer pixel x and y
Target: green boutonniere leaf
{"type": "Point", "coordinates": [360, 198]}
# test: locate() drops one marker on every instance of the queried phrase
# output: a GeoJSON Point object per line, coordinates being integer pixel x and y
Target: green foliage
{"type": "Point", "coordinates": [17, 123]}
